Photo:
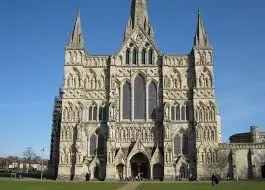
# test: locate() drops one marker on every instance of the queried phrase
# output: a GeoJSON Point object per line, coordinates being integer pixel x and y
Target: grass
{"type": "Point", "coordinates": [34, 185]}
{"type": "Point", "coordinates": [37, 185]}
{"type": "Point", "coordinates": [203, 186]}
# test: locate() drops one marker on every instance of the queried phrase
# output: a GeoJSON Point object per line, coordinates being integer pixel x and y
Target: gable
{"type": "Point", "coordinates": [139, 39]}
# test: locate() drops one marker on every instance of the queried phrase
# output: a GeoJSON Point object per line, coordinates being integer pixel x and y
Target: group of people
{"type": "Point", "coordinates": [139, 177]}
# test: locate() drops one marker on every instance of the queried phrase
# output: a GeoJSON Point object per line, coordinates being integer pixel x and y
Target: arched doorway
{"type": "Point", "coordinates": [120, 171]}
{"type": "Point", "coordinates": [158, 171]}
{"type": "Point", "coordinates": [263, 171]}
{"type": "Point", "coordinates": [183, 172]}
{"type": "Point", "coordinates": [140, 164]}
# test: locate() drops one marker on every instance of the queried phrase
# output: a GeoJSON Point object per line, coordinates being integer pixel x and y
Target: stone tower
{"type": "Point", "coordinates": [206, 117]}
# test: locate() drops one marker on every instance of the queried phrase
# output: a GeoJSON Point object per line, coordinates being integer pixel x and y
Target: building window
{"type": "Point", "coordinates": [127, 56]}
{"type": "Point", "coordinates": [150, 57]}
{"type": "Point", "coordinates": [92, 113]}
{"type": "Point", "coordinates": [144, 57]}
{"type": "Point", "coordinates": [152, 103]}
{"type": "Point", "coordinates": [139, 98]}
{"type": "Point", "coordinates": [126, 101]}
{"type": "Point", "coordinates": [183, 112]}
{"type": "Point", "coordinates": [95, 113]}
{"type": "Point", "coordinates": [177, 112]}
{"type": "Point", "coordinates": [135, 56]}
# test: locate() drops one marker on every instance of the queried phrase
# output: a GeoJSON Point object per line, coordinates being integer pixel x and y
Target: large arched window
{"type": "Point", "coordinates": [177, 144]}
{"type": "Point", "coordinates": [127, 56]}
{"type": "Point", "coordinates": [150, 57]}
{"type": "Point", "coordinates": [139, 98]}
{"type": "Point", "coordinates": [126, 101]}
{"type": "Point", "coordinates": [93, 144]}
{"type": "Point", "coordinates": [152, 101]}
{"type": "Point", "coordinates": [143, 57]}
{"type": "Point", "coordinates": [135, 56]}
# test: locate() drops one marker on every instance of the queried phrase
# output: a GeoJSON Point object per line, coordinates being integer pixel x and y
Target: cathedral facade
{"type": "Point", "coordinates": [138, 110]}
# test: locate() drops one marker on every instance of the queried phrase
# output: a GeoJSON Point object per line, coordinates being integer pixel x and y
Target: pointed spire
{"type": "Point", "coordinates": [201, 38]}
{"type": "Point", "coordinates": [76, 40]}
{"type": "Point", "coordinates": [139, 17]}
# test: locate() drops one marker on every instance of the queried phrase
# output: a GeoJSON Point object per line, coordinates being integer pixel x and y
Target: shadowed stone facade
{"type": "Point", "coordinates": [141, 110]}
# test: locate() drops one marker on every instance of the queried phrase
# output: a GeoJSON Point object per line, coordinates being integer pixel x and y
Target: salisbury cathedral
{"type": "Point", "coordinates": [143, 111]}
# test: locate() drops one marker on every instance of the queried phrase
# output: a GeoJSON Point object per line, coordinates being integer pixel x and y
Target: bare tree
{"type": "Point", "coordinates": [29, 155]}
{"type": "Point", "coordinates": [220, 167]}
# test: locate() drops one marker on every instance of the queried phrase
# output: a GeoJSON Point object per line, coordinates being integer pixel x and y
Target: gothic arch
{"type": "Point", "coordinates": [201, 111]}
{"type": "Point", "coordinates": [127, 55]}
{"type": "Point", "coordinates": [126, 98]}
{"type": "Point", "coordinates": [183, 112]}
{"type": "Point", "coordinates": [135, 56]}
{"type": "Point", "coordinates": [151, 57]}
{"type": "Point", "coordinates": [143, 59]}
{"type": "Point", "coordinates": [212, 111]}
{"type": "Point", "coordinates": [152, 100]}
{"type": "Point", "coordinates": [76, 78]}
{"type": "Point", "coordinates": [69, 81]}
{"type": "Point", "coordinates": [93, 111]}
{"type": "Point", "coordinates": [101, 81]}
{"type": "Point", "coordinates": [134, 152]}
{"type": "Point", "coordinates": [139, 73]}
{"type": "Point", "coordinates": [86, 82]}
{"type": "Point", "coordinates": [93, 79]}
{"type": "Point", "coordinates": [139, 97]}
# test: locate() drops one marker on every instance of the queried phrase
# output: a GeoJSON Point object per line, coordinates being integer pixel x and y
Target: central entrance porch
{"type": "Point", "coordinates": [139, 163]}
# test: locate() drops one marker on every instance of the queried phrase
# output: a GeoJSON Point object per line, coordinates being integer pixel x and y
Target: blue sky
{"type": "Point", "coordinates": [34, 33]}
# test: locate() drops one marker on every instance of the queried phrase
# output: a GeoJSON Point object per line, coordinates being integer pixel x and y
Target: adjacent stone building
{"type": "Point", "coordinates": [141, 110]}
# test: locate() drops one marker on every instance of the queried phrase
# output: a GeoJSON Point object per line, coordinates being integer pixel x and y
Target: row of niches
{"type": "Point", "coordinates": [208, 157]}
{"type": "Point", "coordinates": [178, 112]}
{"type": "Point", "coordinates": [133, 133]}
{"type": "Point", "coordinates": [75, 114]}
{"type": "Point", "coordinates": [180, 61]}
{"type": "Point", "coordinates": [204, 112]}
{"type": "Point", "coordinates": [206, 134]}
{"type": "Point", "coordinates": [75, 57]}
{"type": "Point", "coordinates": [89, 81]}
{"type": "Point", "coordinates": [204, 58]}
{"type": "Point", "coordinates": [135, 56]}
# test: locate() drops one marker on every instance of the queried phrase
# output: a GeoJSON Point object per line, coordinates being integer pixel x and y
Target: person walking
{"type": "Point", "coordinates": [215, 181]}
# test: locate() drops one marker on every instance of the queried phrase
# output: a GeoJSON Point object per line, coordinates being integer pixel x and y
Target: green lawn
{"type": "Point", "coordinates": [203, 186]}
{"type": "Point", "coordinates": [37, 185]}
{"type": "Point", "coordinates": [23, 185]}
